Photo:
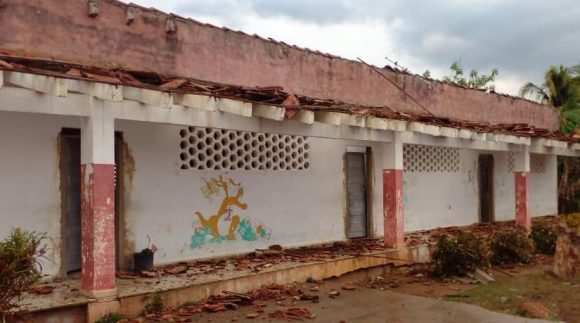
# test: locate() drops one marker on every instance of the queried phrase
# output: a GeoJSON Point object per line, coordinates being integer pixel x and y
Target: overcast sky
{"type": "Point", "coordinates": [521, 38]}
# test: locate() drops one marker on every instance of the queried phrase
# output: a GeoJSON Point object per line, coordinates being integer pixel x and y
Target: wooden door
{"type": "Point", "coordinates": [486, 206]}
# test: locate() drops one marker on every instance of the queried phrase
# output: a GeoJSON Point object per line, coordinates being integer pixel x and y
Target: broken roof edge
{"type": "Point", "coordinates": [183, 19]}
{"type": "Point", "coordinates": [273, 95]}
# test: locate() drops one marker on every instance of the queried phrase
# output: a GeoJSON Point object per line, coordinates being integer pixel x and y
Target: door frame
{"type": "Point", "coordinates": [368, 167]}
{"type": "Point", "coordinates": [120, 262]}
{"type": "Point", "coordinates": [490, 181]}
{"type": "Point", "coordinates": [64, 196]}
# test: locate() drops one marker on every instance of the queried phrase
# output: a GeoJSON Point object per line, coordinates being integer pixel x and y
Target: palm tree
{"type": "Point", "coordinates": [561, 89]}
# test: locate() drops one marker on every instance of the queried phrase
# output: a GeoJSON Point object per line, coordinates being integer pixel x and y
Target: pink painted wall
{"type": "Point", "coordinates": [63, 30]}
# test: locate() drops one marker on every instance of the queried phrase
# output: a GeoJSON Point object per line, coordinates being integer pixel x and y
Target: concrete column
{"type": "Point", "coordinates": [98, 201]}
{"type": "Point", "coordinates": [522, 189]}
{"type": "Point", "coordinates": [393, 194]}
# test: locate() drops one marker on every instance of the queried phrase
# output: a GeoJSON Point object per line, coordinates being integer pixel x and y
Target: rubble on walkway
{"type": "Point", "coordinates": [293, 314]}
{"type": "Point", "coordinates": [230, 301]}
{"type": "Point", "coordinates": [263, 259]}
{"type": "Point", "coordinates": [41, 290]}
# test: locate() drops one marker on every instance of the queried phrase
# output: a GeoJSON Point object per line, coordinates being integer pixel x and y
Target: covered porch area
{"type": "Point", "coordinates": [149, 124]}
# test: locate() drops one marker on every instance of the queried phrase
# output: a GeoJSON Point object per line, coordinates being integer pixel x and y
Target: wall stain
{"type": "Point", "coordinates": [128, 163]}
{"type": "Point", "coordinates": [58, 248]}
{"type": "Point", "coordinates": [128, 167]}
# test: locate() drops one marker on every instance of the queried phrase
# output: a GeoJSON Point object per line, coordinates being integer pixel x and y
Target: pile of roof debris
{"type": "Point", "coordinates": [262, 259]}
{"type": "Point", "coordinates": [272, 95]}
{"type": "Point", "coordinates": [286, 296]}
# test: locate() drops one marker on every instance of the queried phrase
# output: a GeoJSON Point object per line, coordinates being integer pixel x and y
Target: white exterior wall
{"type": "Point", "coordinates": [29, 173]}
{"type": "Point", "coordinates": [504, 188]}
{"type": "Point", "coordinates": [297, 207]}
{"type": "Point", "coordinates": [434, 199]}
{"type": "Point", "coordinates": [452, 199]}
{"type": "Point", "coordinates": [544, 188]}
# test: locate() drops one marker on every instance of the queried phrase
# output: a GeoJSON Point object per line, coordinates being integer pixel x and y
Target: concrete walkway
{"type": "Point", "coordinates": [369, 305]}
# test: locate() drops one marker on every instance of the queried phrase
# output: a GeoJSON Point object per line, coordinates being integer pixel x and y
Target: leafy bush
{"type": "Point", "coordinates": [19, 266]}
{"type": "Point", "coordinates": [544, 236]}
{"type": "Point", "coordinates": [111, 318]}
{"type": "Point", "coordinates": [511, 246]}
{"type": "Point", "coordinates": [459, 255]}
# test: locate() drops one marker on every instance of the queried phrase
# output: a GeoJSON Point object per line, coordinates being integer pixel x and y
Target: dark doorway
{"type": "Point", "coordinates": [356, 184]}
{"type": "Point", "coordinates": [486, 189]}
{"type": "Point", "coordinates": [71, 199]}
{"type": "Point", "coordinates": [70, 170]}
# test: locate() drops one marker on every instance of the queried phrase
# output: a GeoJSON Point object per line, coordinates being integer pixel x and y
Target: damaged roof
{"type": "Point", "coordinates": [272, 95]}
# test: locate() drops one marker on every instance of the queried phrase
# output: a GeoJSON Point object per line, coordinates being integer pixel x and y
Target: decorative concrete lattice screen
{"type": "Point", "coordinates": [430, 159]}
{"type": "Point", "coordinates": [511, 162]}
{"type": "Point", "coordinates": [220, 149]}
{"type": "Point", "coordinates": [537, 163]}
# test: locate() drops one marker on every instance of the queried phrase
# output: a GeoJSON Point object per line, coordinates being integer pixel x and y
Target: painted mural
{"type": "Point", "coordinates": [226, 224]}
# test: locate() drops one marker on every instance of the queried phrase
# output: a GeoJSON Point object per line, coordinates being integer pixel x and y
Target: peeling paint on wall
{"type": "Point", "coordinates": [225, 224]}
{"type": "Point", "coordinates": [409, 181]}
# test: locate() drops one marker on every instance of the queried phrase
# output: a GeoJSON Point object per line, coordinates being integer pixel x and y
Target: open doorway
{"type": "Point", "coordinates": [357, 192]}
{"type": "Point", "coordinates": [486, 205]}
{"type": "Point", "coordinates": [70, 173]}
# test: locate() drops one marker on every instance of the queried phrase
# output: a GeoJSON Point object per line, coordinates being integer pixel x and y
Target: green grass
{"type": "Point", "coordinates": [561, 297]}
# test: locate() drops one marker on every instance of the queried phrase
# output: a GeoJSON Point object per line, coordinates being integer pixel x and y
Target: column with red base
{"type": "Point", "coordinates": [98, 202]}
{"type": "Point", "coordinates": [393, 194]}
{"type": "Point", "coordinates": [522, 189]}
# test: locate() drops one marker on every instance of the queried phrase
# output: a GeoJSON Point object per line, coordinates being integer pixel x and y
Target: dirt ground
{"type": "Point", "coordinates": [513, 287]}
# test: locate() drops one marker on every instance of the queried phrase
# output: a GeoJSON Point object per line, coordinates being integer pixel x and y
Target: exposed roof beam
{"type": "Point", "coordinates": [352, 120]}
{"type": "Point", "coordinates": [268, 111]}
{"type": "Point", "coordinates": [331, 118]}
{"type": "Point", "coordinates": [203, 102]}
{"type": "Point", "coordinates": [147, 96]}
{"type": "Point", "coordinates": [15, 99]}
{"type": "Point", "coordinates": [39, 83]}
{"type": "Point", "coordinates": [377, 123]}
{"type": "Point", "coordinates": [303, 116]}
{"type": "Point", "coordinates": [241, 108]}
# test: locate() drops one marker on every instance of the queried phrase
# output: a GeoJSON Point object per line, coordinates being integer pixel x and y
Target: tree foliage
{"type": "Point", "coordinates": [475, 79]}
{"type": "Point", "coordinates": [561, 89]}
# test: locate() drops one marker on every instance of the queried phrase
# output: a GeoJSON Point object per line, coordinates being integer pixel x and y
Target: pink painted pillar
{"type": "Point", "coordinates": [523, 216]}
{"type": "Point", "coordinates": [98, 202]}
{"type": "Point", "coordinates": [522, 189]}
{"type": "Point", "coordinates": [394, 231]}
{"type": "Point", "coordinates": [393, 207]}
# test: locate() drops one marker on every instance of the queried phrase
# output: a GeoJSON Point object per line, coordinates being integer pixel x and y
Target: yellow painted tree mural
{"type": "Point", "coordinates": [208, 229]}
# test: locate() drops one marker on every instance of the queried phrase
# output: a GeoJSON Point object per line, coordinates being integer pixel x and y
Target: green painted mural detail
{"type": "Point", "coordinates": [207, 229]}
